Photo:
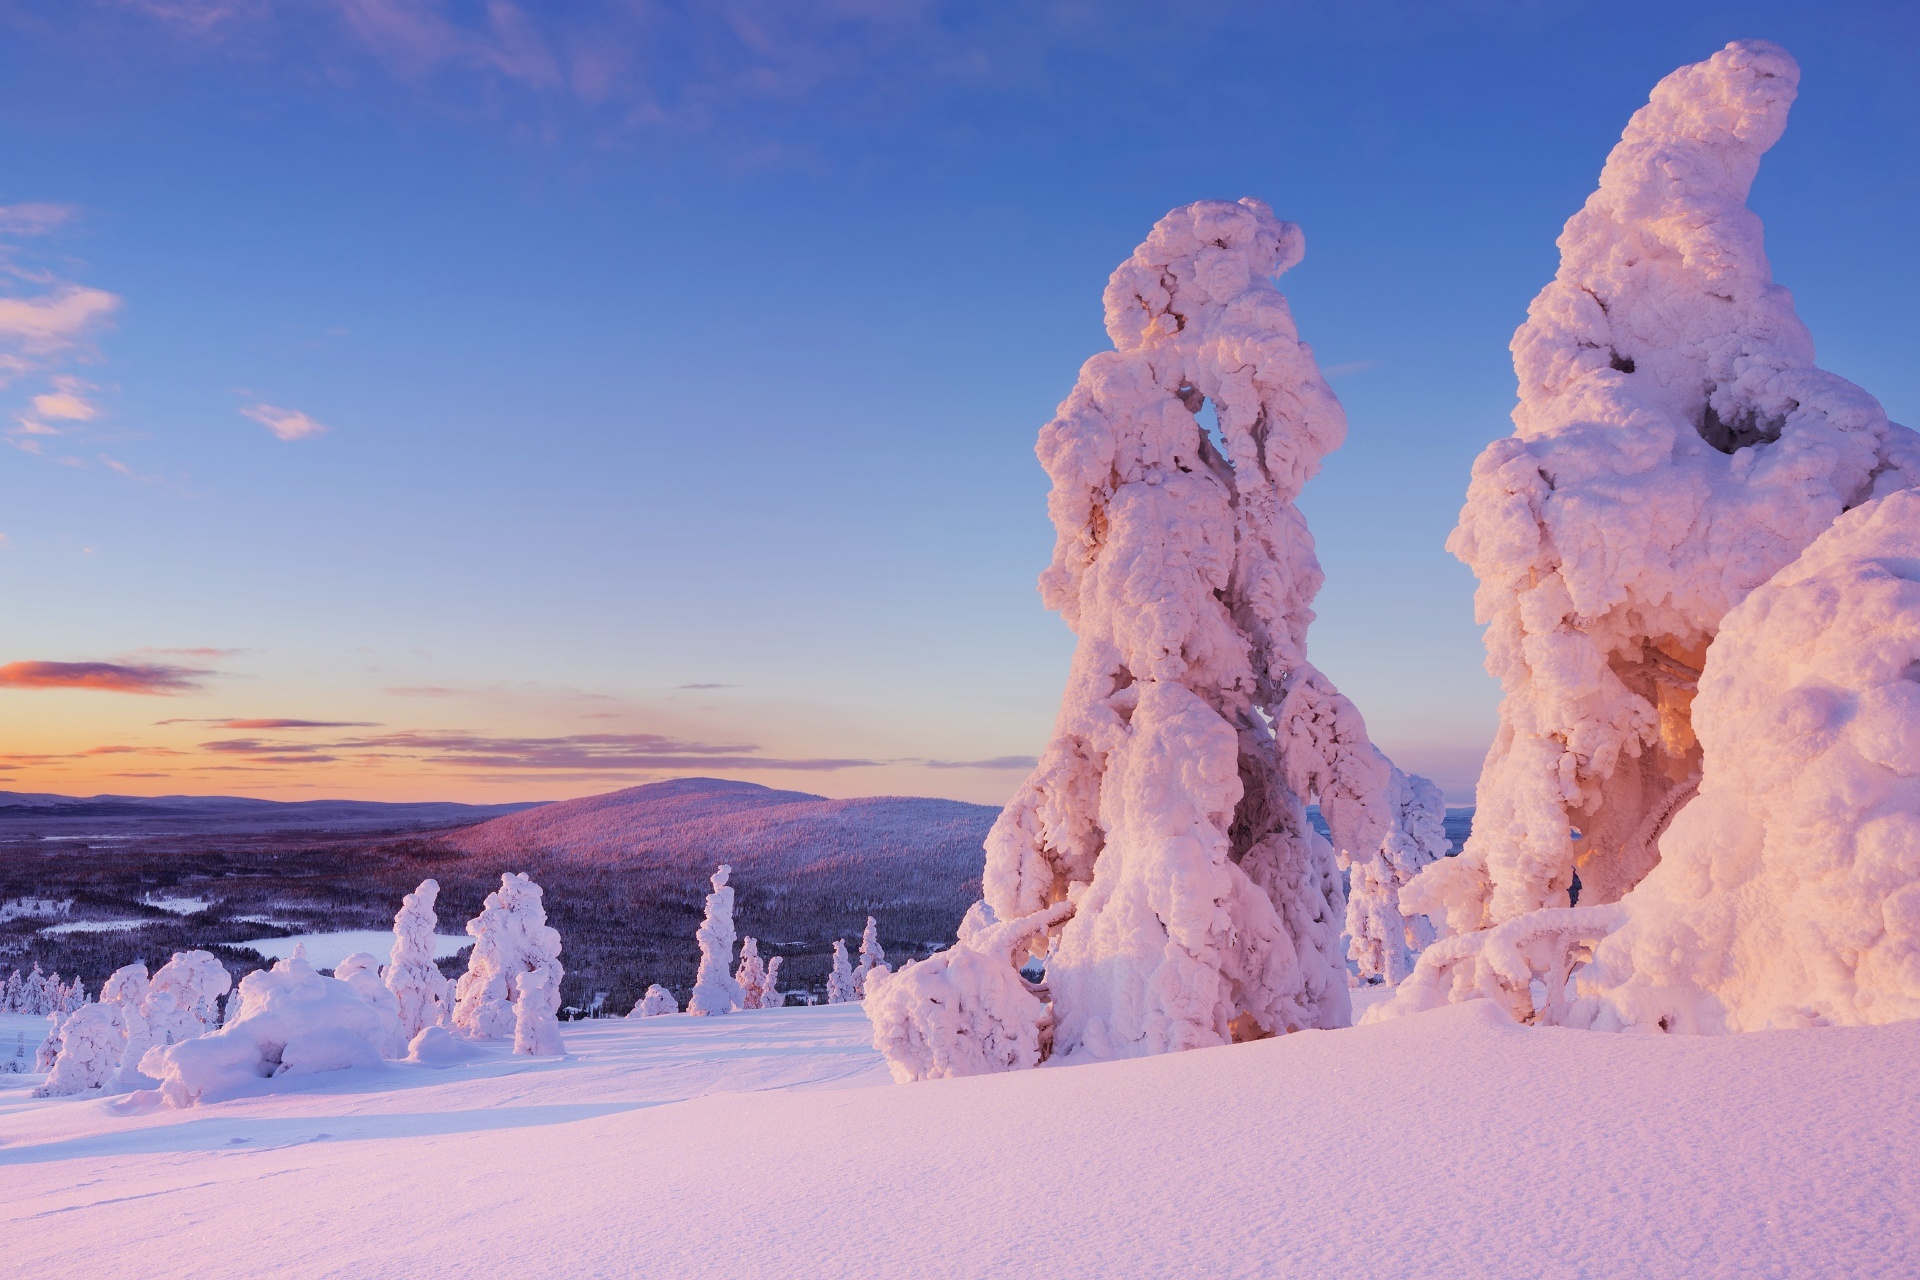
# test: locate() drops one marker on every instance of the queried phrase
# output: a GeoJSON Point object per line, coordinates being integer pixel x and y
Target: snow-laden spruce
{"type": "Point", "coordinates": [751, 976]}
{"type": "Point", "coordinates": [871, 957]}
{"type": "Point", "coordinates": [1381, 941]}
{"type": "Point", "coordinates": [1674, 447]}
{"type": "Point", "coordinates": [1788, 891]}
{"type": "Point", "coordinates": [511, 937]}
{"type": "Point", "coordinates": [93, 1040]}
{"type": "Point", "coordinates": [714, 989]}
{"type": "Point", "coordinates": [840, 982]}
{"type": "Point", "coordinates": [536, 1025]}
{"type": "Point", "coordinates": [657, 1001]}
{"type": "Point", "coordinates": [1169, 810]}
{"type": "Point", "coordinates": [419, 988]}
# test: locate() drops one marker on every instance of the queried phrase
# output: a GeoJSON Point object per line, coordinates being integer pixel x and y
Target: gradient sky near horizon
{"type": "Point", "coordinates": [427, 399]}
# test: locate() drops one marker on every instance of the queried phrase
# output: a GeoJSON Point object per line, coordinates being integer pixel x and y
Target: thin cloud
{"type": "Point", "coordinates": [225, 722]}
{"type": "Point", "coordinates": [34, 219]}
{"type": "Point", "coordinates": [286, 424]}
{"type": "Point", "coordinates": [585, 752]}
{"type": "Point", "coordinates": [1350, 368]}
{"type": "Point", "coordinates": [996, 762]}
{"type": "Point", "coordinates": [423, 691]}
{"type": "Point", "coordinates": [707, 686]}
{"type": "Point", "coordinates": [157, 679]}
{"type": "Point", "coordinates": [54, 322]}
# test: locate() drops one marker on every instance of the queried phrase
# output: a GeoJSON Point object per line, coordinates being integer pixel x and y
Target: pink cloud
{"type": "Point", "coordinates": [107, 677]}
{"type": "Point", "coordinates": [287, 424]}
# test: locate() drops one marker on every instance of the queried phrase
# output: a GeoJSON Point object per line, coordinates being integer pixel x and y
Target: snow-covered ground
{"type": "Point", "coordinates": [771, 1144]}
{"type": "Point", "coordinates": [325, 950]}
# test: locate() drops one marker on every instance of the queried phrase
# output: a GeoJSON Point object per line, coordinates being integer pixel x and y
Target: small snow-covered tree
{"type": "Point", "coordinates": [92, 1043]}
{"type": "Point", "coordinates": [657, 1001]}
{"type": "Point", "coordinates": [183, 996]}
{"type": "Point", "coordinates": [419, 988]}
{"type": "Point", "coordinates": [536, 1029]}
{"type": "Point", "coordinates": [361, 972]}
{"type": "Point", "coordinates": [714, 989]}
{"type": "Point", "coordinates": [751, 976]}
{"type": "Point", "coordinates": [1381, 942]}
{"type": "Point", "coordinates": [871, 957]}
{"type": "Point", "coordinates": [511, 937]}
{"type": "Point", "coordinates": [49, 1051]}
{"type": "Point", "coordinates": [771, 997]}
{"type": "Point", "coordinates": [840, 982]}
{"type": "Point", "coordinates": [1674, 447]}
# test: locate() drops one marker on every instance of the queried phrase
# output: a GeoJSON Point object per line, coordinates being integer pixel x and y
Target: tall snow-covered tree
{"type": "Point", "coordinates": [840, 983]}
{"type": "Point", "coordinates": [714, 989]}
{"type": "Point", "coordinates": [871, 957]}
{"type": "Point", "coordinates": [1382, 942]}
{"type": "Point", "coordinates": [419, 988]}
{"type": "Point", "coordinates": [1674, 447]}
{"type": "Point", "coordinates": [1169, 809]}
{"type": "Point", "coordinates": [511, 937]}
{"type": "Point", "coordinates": [536, 1028]}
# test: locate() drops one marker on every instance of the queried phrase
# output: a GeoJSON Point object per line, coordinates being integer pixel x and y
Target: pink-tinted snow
{"type": "Point", "coordinates": [1448, 1144]}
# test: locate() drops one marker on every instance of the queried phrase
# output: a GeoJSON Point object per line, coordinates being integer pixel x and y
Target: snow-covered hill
{"type": "Point", "coordinates": [1451, 1144]}
{"type": "Point", "coordinates": [916, 850]}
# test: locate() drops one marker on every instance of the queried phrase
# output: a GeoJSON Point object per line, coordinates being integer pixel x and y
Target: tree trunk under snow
{"type": "Point", "coordinates": [1674, 447]}
{"type": "Point", "coordinates": [1164, 837]}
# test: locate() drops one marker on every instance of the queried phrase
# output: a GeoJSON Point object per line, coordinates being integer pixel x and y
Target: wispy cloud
{"type": "Point", "coordinates": [596, 752]}
{"type": "Point", "coordinates": [996, 762]}
{"type": "Point", "coordinates": [287, 424]}
{"type": "Point", "coordinates": [107, 677]}
{"type": "Point", "coordinates": [34, 219]}
{"type": "Point", "coordinates": [423, 691]}
{"type": "Point", "coordinates": [707, 686]}
{"type": "Point", "coordinates": [256, 725]}
{"type": "Point", "coordinates": [1351, 367]}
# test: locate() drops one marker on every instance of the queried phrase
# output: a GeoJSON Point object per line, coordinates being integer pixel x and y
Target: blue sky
{"type": "Point", "coordinates": [662, 379]}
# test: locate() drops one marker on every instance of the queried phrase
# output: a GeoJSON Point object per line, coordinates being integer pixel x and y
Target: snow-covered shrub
{"type": "Point", "coordinates": [49, 1051]}
{"type": "Point", "coordinates": [871, 957]}
{"type": "Point", "coordinates": [419, 988]}
{"type": "Point", "coordinates": [714, 990]}
{"type": "Point", "coordinates": [964, 1011]}
{"type": "Point", "coordinates": [536, 1029]}
{"type": "Point", "coordinates": [1381, 941]}
{"type": "Point", "coordinates": [1170, 806]}
{"type": "Point", "coordinates": [511, 937]}
{"type": "Point", "coordinates": [771, 996]}
{"type": "Point", "coordinates": [840, 987]}
{"type": "Point", "coordinates": [1674, 447]}
{"type": "Point", "coordinates": [92, 1041]}
{"type": "Point", "coordinates": [183, 996]}
{"type": "Point", "coordinates": [293, 1022]}
{"type": "Point", "coordinates": [657, 1001]}
{"type": "Point", "coordinates": [1788, 891]}
{"type": "Point", "coordinates": [751, 975]}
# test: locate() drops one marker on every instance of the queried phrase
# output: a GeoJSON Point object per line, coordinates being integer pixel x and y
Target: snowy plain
{"type": "Point", "coordinates": [1449, 1144]}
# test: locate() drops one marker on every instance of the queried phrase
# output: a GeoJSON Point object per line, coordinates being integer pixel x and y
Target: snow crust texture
{"type": "Point", "coordinates": [511, 937]}
{"type": "Point", "coordinates": [1674, 447]}
{"type": "Point", "coordinates": [1169, 809]}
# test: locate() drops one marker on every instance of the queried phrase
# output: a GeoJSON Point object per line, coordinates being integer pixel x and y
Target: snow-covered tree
{"type": "Point", "coordinates": [840, 983]}
{"type": "Point", "coordinates": [1674, 447]}
{"type": "Point", "coordinates": [751, 976]}
{"type": "Point", "coordinates": [1788, 891]}
{"type": "Point", "coordinates": [714, 990]}
{"type": "Point", "coordinates": [536, 1029]}
{"type": "Point", "coordinates": [419, 988]}
{"type": "Point", "coordinates": [1381, 942]}
{"type": "Point", "coordinates": [511, 937]}
{"type": "Point", "coordinates": [771, 997]}
{"type": "Point", "coordinates": [49, 1051]}
{"type": "Point", "coordinates": [871, 957]}
{"type": "Point", "coordinates": [657, 1001]}
{"type": "Point", "coordinates": [1169, 809]}
{"type": "Point", "coordinates": [182, 998]}
{"type": "Point", "coordinates": [92, 1042]}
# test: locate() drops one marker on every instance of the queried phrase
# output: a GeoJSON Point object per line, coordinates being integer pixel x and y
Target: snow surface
{"type": "Point", "coordinates": [1559, 1153]}
{"type": "Point", "coordinates": [325, 950]}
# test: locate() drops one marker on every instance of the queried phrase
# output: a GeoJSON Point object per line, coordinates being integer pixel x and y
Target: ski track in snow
{"type": "Point", "coordinates": [1450, 1144]}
